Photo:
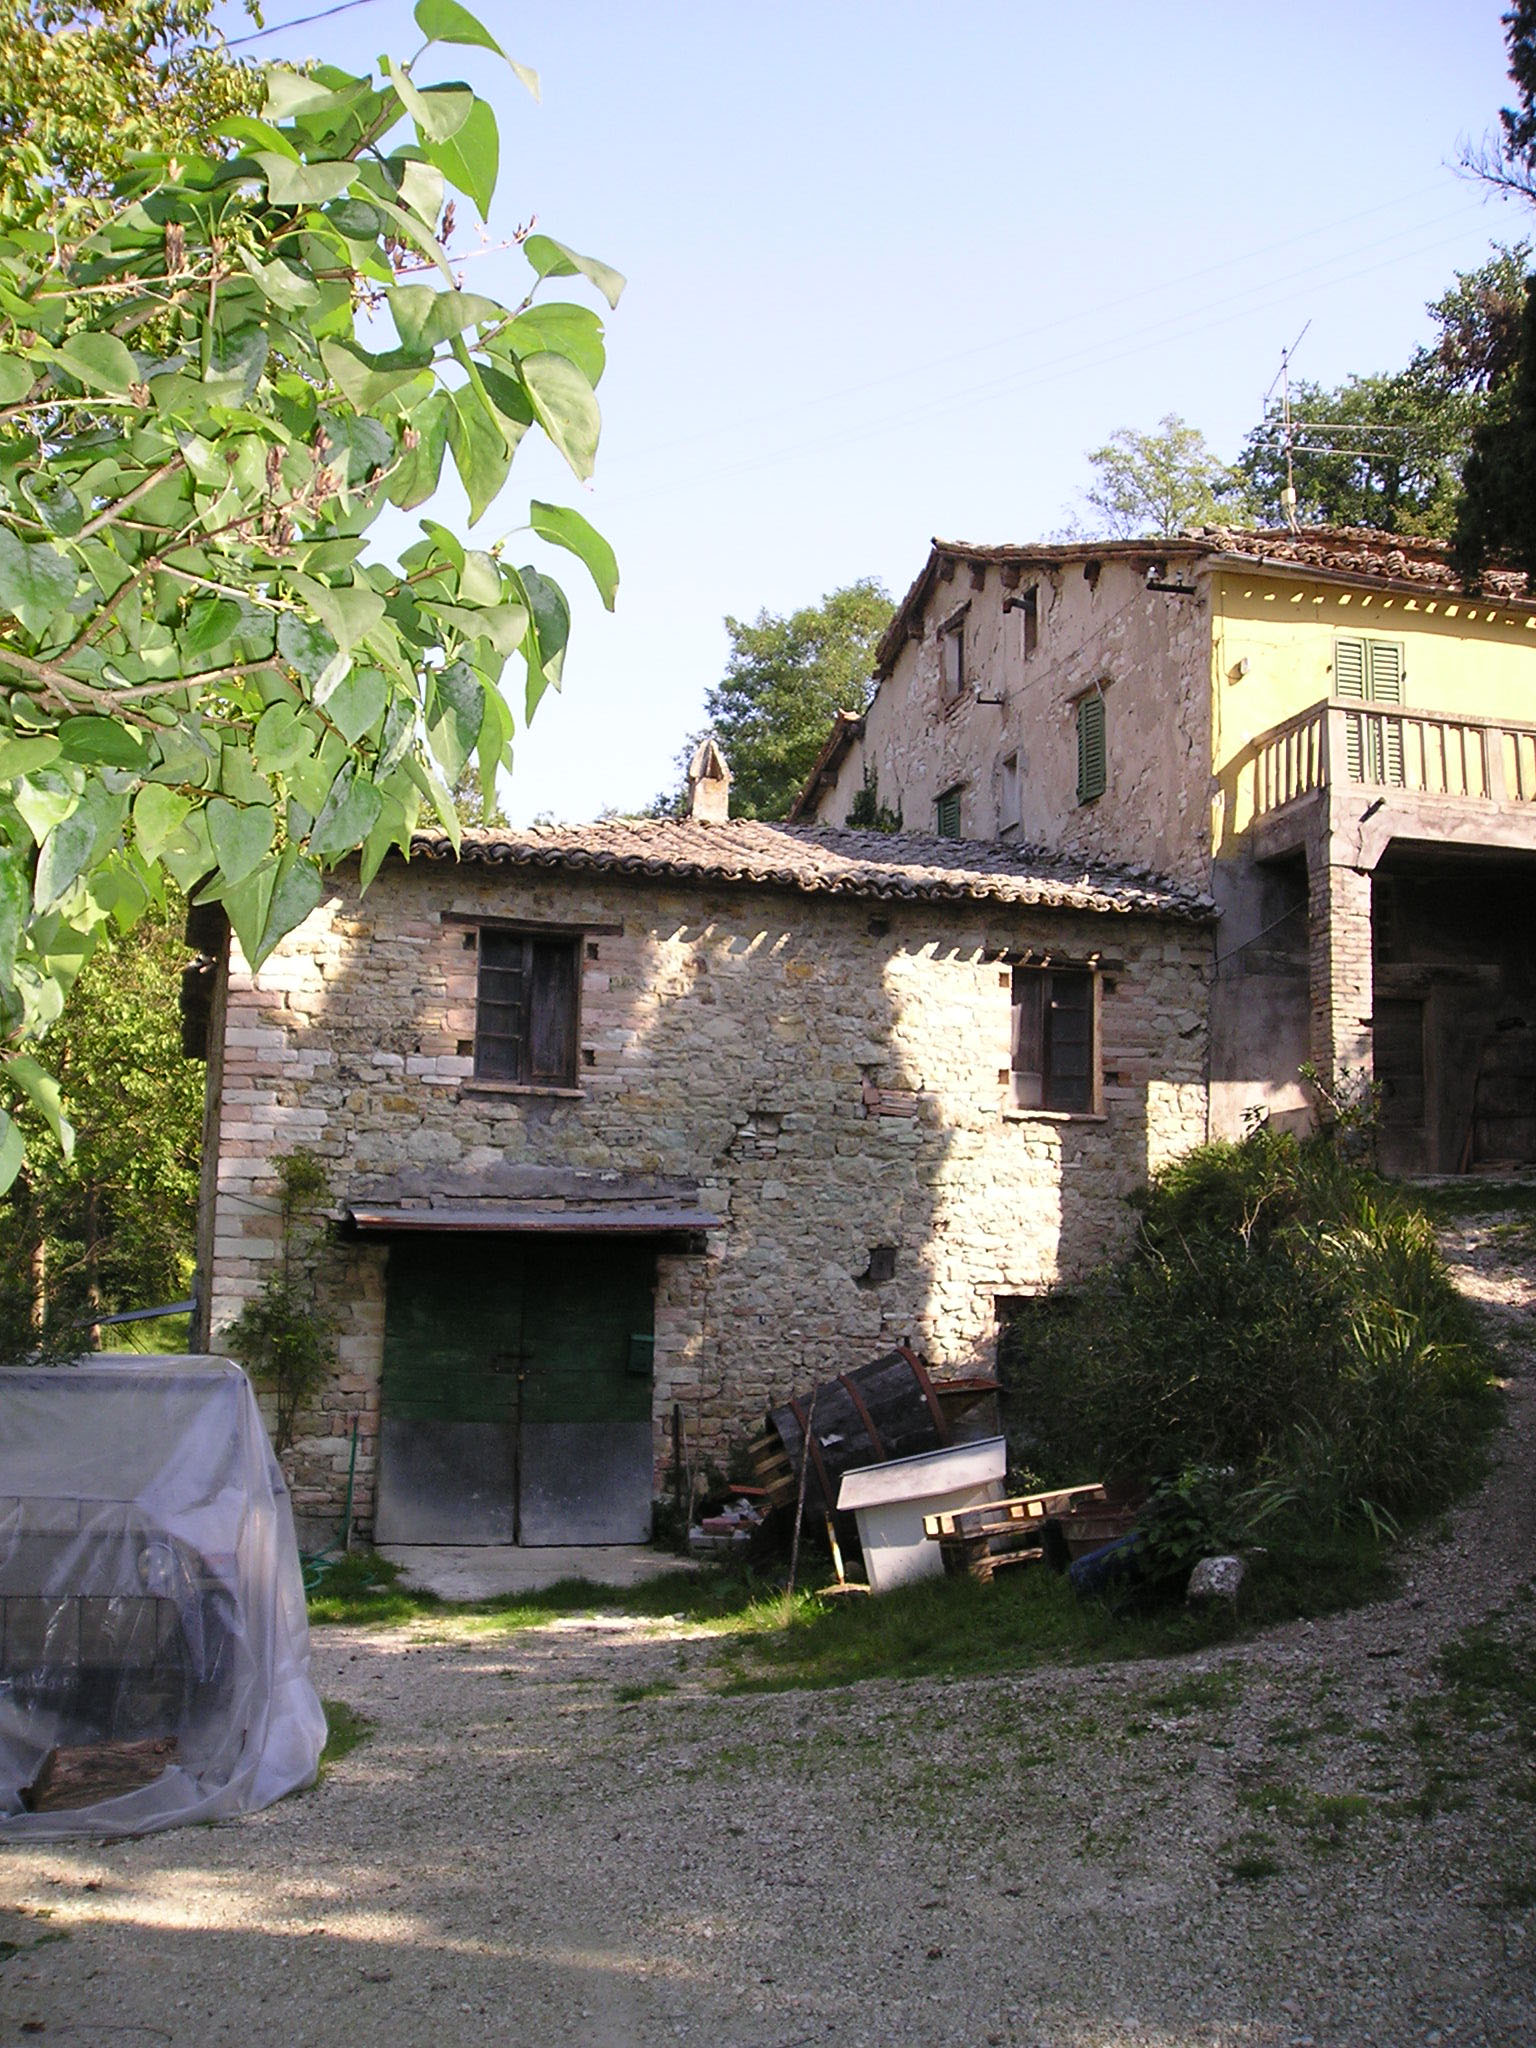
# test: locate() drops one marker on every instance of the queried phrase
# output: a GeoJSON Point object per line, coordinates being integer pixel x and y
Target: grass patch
{"type": "Point", "coordinates": [626, 1695]}
{"type": "Point", "coordinates": [1254, 1869]}
{"type": "Point", "coordinates": [345, 1728]}
{"type": "Point", "coordinates": [1490, 1674]}
{"type": "Point", "coordinates": [1200, 1692]}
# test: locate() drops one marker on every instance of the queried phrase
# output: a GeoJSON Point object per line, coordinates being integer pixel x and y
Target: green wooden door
{"type": "Point", "coordinates": [516, 1391]}
{"type": "Point", "coordinates": [584, 1445]}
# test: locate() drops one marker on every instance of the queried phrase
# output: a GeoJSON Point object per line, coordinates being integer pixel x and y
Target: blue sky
{"type": "Point", "coordinates": [894, 266]}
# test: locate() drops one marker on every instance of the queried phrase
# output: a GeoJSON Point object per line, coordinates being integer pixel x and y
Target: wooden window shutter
{"type": "Point", "coordinates": [946, 815]}
{"type": "Point", "coordinates": [552, 1015]}
{"type": "Point", "coordinates": [1092, 752]}
{"type": "Point", "coordinates": [1349, 670]}
{"type": "Point", "coordinates": [1385, 679]}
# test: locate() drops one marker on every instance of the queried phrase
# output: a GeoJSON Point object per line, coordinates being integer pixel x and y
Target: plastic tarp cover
{"type": "Point", "coordinates": [150, 1594]}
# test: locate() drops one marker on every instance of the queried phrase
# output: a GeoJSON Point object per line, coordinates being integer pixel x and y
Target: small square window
{"type": "Point", "coordinates": [525, 1010]}
{"type": "Point", "coordinates": [946, 814]}
{"type": "Point", "coordinates": [1053, 1063]}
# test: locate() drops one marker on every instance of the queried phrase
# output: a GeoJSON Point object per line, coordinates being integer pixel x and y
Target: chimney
{"type": "Point", "coordinates": [709, 784]}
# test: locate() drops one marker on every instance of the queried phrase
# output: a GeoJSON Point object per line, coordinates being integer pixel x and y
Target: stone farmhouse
{"type": "Point", "coordinates": [632, 1126]}
{"type": "Point", "coordinates": [1321, 730]}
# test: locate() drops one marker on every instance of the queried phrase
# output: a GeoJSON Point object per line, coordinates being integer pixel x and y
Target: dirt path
{"type": "Point", "coordinates": [1295, 1841]}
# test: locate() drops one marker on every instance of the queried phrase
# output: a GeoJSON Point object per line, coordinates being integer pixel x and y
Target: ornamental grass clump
{"type": "Point", "coordinates": [1285, 1318]}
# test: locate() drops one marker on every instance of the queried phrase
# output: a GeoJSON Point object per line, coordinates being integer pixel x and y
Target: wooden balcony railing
{"type": "Point", "coordinates": [1386, 746]}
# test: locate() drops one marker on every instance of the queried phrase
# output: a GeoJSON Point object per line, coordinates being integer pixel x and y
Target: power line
{"type": "Point", "coordinates": [1131, 342]}
{"type": "Point", "coordinates": [300, 21]}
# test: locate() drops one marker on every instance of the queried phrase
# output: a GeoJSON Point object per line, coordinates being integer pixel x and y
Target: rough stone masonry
{"type": "Point", "coordinates": [831, 1070]}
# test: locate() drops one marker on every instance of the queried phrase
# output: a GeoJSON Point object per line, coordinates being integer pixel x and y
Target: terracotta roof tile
{"type": "Point", "coordinates": [1354, 552]}
{"type": "Point", "coordinates": [828, 861]}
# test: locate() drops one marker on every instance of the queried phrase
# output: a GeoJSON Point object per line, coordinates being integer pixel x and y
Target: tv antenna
{"type": "Point", "coordinates": [1282, 377]}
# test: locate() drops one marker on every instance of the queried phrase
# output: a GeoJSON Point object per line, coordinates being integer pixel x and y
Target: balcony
{"type": "Point", "coordinates": [1437, 775]}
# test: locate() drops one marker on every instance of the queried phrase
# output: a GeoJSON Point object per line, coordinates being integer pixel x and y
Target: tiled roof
{"type": "Point", "coordinates": [1352, 552]}
{"type": "Point", "coordinates": [817, 860]}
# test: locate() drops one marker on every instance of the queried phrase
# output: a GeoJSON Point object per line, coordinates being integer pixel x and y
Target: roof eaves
{"type": "Point", "coordinates": [847, 726]}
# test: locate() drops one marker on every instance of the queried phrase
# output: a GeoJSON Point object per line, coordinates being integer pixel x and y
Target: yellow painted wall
{"type": "Point", "coordinates": [1461, 655]}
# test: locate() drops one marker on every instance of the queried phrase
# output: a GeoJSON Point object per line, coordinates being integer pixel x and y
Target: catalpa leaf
{"type": "Point", "coordinates": [100, 362]}
{"type": "Point", "coordinates": [553, 259]}
{"type": "Point", "coordinates": [157, 816]}
{"type": "Point", "coordinates": [424, 316]}
{"type": "Point", "coordinates": [42, 1091]}
{"type": "Point", "coordinates": [445, 21]}
{"type": "Point", "coordinates": [35, 581]}
{"type": "Point", "coordinates": [346, 817]}
{"type": "Point", "coordinates": [241, 835]}
{"type": "Point", "coordinates": [13, 1150]}
{"type": "Point", "coordinates": [567, 529]}
{"type": "Point", "coordinates": [296, 889]}
{"type": "Point", "coordinates": [566, 407]}
{"type": "Point", "coordinates": [439, 111]}
{"type": "Point", "coordinates": [102, 743]}
{"type": "Point", "coordinates": [472, 158]}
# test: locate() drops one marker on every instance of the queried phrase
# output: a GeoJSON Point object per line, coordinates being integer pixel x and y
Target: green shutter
{"type": "Point", "coordinates": [1349, 671]}
{"type": "Point", "coordinates": [946, 815]}
{"type": "Point", "coordinates": [1385, 679]}
{"type": "Point", "coordinates": [1092, 753]}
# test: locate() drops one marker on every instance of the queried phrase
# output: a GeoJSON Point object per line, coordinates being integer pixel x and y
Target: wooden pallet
{"type": "Point", "coordinates": [981, 1541]}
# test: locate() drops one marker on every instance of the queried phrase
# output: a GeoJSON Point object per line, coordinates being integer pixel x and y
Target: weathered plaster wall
{"type": "Point", "coordinates": [1461, 655]}
{"type": "Point", "coordinates": [727, 1037]}
{"type": "Point", "coordinates": [1148, 650]}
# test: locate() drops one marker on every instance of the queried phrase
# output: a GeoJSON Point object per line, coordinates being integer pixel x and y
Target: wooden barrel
{"type": "Point", "coordinates": [889, 1408]}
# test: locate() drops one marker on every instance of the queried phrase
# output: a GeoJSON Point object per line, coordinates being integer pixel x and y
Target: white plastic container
{"type": "Point", "coordinates": [889, 1502]}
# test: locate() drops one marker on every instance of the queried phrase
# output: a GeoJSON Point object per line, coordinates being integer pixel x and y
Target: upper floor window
{"type": "Point", "coordinates": [1028, 606]}
{"type": "Point", "coordinates": [1053, 1064]}
{"type": "Point", "coordinates": [1092, 748]}
{"type": "Point", "coordinates": [1371, 671]}
{"type": "Point", "coordinates": [1010, 794]}
{"type": "Point", "coordinates": [946, 814]}
{"type": "Point", "coordinates": [952, 660]}
{"type": "Point", "coordinates": [526, 1008]}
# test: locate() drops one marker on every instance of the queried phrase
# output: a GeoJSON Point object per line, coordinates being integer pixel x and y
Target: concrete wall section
{"type": "Point", "coordinates": [833, 1074]}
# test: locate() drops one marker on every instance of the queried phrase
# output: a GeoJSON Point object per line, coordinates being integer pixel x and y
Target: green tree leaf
{"type": "Point", "coordinates": [54, 503]}
{"type": "Point", "coordinates": [445, 21]}
{"type": "Point", "coordinates": [566, 408]}
{"type": "Point", "coordinates": [479, 451]}
{"type": "Point", "coordinates": [424, 317]}
{"type": "Point", "coordinates": [13, 1150]}
{"type": "Point", "coordinates": [472, 158]}
{"type": "Point", "coordinates": [347, 816]}
{"type": "Point", "coordinates": [42, 1091]}
{"type": "Point", "coordinates": [296, 889]}
{"type": "Point", "coordinates": [567, 529]}
{"type": "Point", "coordinates": [439, 111]}
{"type": "Point", "coordinates": [158, 814]}
{"type": "Point", "coordinates": [21, 757]}
{"type": "Point", "coordinates": [100, 362]}
{"type": "Point", "coordinates": [553, 259]}
{"type": "Point", "coordinates": [103, 743]}
{"type": "Point", "coordinates": [15, 892]}
{"type": "Point", "coordinates": [241, 835]}
{"type": "Point", "coordinates": [74, 843]}
{"type": "Point", "coordinates": [35, 581]}
{"type": "Point", "coordinates": [303, 184]}
{"type": "Point", "coordinates": [357, 704]}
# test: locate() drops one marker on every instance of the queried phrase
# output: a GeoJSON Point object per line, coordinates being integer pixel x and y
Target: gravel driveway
{"type": "Point", "coordinates": [1293, 1841]}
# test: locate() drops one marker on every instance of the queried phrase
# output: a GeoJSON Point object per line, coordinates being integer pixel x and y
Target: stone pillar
{"type": "Point", "coordinates": [1339, 919]}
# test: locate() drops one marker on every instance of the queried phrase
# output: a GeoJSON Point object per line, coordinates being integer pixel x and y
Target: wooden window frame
{"type": "Point", "coordinates": [1041, 1081]}
{"type": "Point", "coordinates": [497, 938]}
{"type": "Point", "coordinates": [954, 795]}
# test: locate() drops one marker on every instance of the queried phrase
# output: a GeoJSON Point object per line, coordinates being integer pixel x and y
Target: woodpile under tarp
{"type": "Point", "coordinates": [892, 1407]}
{"type": "Point", "coordinates": [154, 1650]}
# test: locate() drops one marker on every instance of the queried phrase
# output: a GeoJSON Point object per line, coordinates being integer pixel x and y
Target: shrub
{"type": "Point", "coordinates": [1283, 1314]}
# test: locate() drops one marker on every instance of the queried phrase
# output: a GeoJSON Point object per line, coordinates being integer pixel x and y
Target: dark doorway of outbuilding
{"type": "Point", "coordinates": [516, 1395]}
{"type": "Point", "coordinates": [1455, 1008]}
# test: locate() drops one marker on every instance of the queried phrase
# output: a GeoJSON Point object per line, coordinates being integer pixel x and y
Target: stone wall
{"type": "Point", "coordinates": [1149, 651]}
{"type": "Point", "coordinates": [832, 1072]}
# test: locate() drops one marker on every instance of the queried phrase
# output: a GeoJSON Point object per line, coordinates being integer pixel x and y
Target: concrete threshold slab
{"type": "Point", "coordinates": [486, 1571]}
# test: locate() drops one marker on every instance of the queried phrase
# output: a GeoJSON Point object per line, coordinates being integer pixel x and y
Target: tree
{"type": "Point", "coordinates": [202, 674]}
{"type": "Point", "coordinates": [111, 1227]}
{"type": "Point", "coordinates": [785, 681]}
{"type": "Point", "coordinates": [82, 88]}
{"type": "Point", "coordinates": [1162, 482]}
{"type": "Point", "coordinates": [1388, 450]}
{"type": "Point", "coordinates": [1497, 514]}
